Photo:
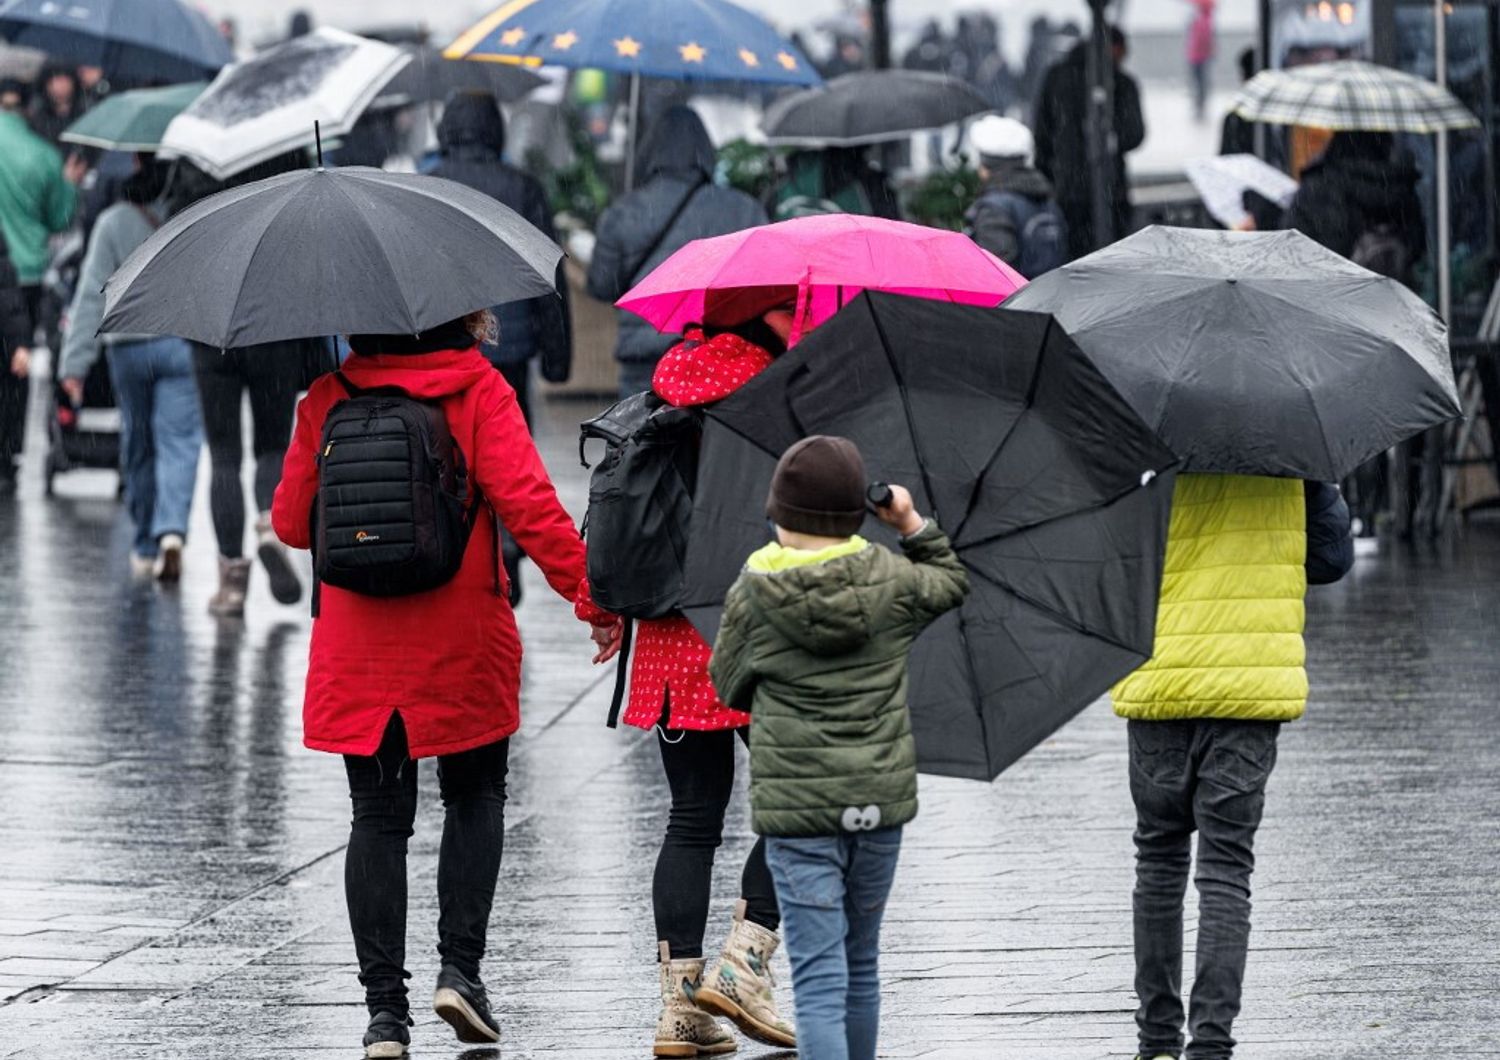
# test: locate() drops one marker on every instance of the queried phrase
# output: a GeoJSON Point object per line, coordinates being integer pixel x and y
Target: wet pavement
{"type": "Point", "coordinates": [171, 857]}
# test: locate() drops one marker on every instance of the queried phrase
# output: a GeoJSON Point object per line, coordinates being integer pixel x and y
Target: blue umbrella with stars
{"type": "Point", "coordinates": [679, 40]}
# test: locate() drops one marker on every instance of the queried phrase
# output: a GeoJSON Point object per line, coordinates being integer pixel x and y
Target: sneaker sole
{"type": "Point", "coordinates": [712, 1001]}
{"type": "Point", "coordinates": [453, 1010]}
{"type": "Point", "coordinates": [286, 587]}
{"type": "Point", "coordinates": [385, 1051]}
{"type": "Point", "coordinates": [690, 1049]}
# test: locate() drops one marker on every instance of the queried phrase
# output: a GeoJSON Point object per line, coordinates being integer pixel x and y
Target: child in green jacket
{"type": "Point", "coordinates": [814, 644]}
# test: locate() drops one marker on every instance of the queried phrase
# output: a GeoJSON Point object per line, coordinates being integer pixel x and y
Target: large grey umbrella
{"type": "Point", "coordinates": [870, 107]}
{"type": "Point", "coordinates": [431, 78]}
{"type": "Point", "coordinates": [323, 252]}
{"type": "Point", "coordinates": [1055, 494]}
{"type": "Point", "coordinates": [1255, 353]}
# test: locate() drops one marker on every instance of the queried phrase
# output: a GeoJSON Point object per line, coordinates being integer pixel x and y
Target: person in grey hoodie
{"type": "Point", "coordinates": [161, 426]}
{"type": "Point", "coordinates": [676, 203]}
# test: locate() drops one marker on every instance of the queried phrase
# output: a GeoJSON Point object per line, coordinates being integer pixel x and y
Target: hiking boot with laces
{"type": "Point", "coordinates": [742, 987]}
{"type": "Point", "coordinates": [464, 1006]}
{"type": "Point", "coordinates": [387, 1036]}
{"type": "Point", "coordinates": [684, 1029]}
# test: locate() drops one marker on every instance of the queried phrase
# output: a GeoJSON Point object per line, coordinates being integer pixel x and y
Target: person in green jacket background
{"type": "Point", "coordinates": [814, 645]}
{"type": "Point", "coordinates": [1205, 713]}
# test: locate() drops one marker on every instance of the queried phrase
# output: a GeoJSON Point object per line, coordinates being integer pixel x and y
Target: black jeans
{"type": "Point", "coordinates": [271, 374]}
{"type": "Point", "coordinates": [15, 393]}
{"type": "Point", "coordinates": [700, 772]}
{"type": "Point", "coordinates": [383, 788]}
{"type": "Point", "coordinates": [1207, 776]}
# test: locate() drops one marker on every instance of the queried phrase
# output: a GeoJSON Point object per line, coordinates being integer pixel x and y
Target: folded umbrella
{"type": "Point", "coordinates": [825, 261]}
{"type": "Point", "coordinates": [324, 252]}
{"type": "Point", "coordinates": [1255, 353]}
{"type": "Point", "coordinates": [132, 41]}
{"type": "Point", "coordinates": [134, 120]}
{"type": "Point", "coordinates": [271, 104]}
{"type": "Point", "coordinates": [870, 107]}
{"type": "Point", "coordinates": [1055, 494]}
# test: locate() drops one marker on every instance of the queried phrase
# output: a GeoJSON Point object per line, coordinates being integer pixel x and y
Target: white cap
{"type": "Point", "coordinates": [996, 137]}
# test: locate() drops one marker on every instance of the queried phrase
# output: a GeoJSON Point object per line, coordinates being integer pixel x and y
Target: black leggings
{"type": "Point", "coordinates": [383, 788]}
{"type": "Point", "coordinates": [700, 772]}
{"type": "Point", "coordinates": [272, 374]}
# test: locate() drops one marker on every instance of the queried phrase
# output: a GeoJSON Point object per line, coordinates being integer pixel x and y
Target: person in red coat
{"type": "Point", "coordinates": [670, 690]}
{"type": "Point", "coordinates": [431, 674]}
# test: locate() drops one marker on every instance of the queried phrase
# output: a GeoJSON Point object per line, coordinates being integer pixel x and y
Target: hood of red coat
{"type": "Point", "coordinates": [699, 371]}
{"type": "Point", "coordinates": [422, 375]}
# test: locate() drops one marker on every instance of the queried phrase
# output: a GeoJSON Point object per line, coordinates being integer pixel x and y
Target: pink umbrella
{"type": "Point", "coordinates": [821, 262]}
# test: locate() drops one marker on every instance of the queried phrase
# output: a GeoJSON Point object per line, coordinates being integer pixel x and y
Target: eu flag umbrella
{"type": "Point", "coordinates": [1054, 492]}
{"type": "Point", "coordinates": [133, 41]}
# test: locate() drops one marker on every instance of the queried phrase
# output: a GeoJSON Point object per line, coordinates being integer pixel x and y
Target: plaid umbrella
{"type": "Point", "coordinates": [1351, 95]}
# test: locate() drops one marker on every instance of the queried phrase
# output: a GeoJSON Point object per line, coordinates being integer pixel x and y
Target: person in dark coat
{"type": "Point", "coordinates": [1014, 217]}
{"type": "Point", "coordinates": [676, 203]}
{"type": "Point", "coordinates": [57, 105]}
{"type": "Point", "coordinates": [1060, 123]}
{"type": "Point", "coordinates": [472, 138]}
{"type": "Point", "coordinates": [15, 369]}
{"type": "Point", "coordinates": [1360, 185]}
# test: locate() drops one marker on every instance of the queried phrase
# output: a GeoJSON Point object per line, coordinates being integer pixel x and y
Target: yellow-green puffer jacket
{"type": "Point", "coordinates": [1229, 630]}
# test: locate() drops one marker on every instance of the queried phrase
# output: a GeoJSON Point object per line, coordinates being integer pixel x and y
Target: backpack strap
{"type": "Point", "coordinates": [661, 237]}
{"type": "Point", "coordinates": [622, 675]}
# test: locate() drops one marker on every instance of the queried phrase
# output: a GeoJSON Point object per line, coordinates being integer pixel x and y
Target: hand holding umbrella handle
{"type": "Point", "coordinates": [880, 495]}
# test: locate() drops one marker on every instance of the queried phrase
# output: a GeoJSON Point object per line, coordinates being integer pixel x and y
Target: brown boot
{"type": "Point", "coordinates": [685, 1030]}
{"type": "Point", "coordinates": [741, 987]}
{"type": "Point", "coordinates": [234, 582]}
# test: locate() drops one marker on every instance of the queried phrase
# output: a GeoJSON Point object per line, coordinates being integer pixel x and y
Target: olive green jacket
{"type": "Point", "coordinates": [814, 645]}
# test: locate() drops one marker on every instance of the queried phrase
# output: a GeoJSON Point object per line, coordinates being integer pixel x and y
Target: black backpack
{"type": "Point", "coordinates": [1381, 249]}
{"type": "Point", "coordinates": [640, 504]}
{"type": "Point", "coordinates": [395, 508]}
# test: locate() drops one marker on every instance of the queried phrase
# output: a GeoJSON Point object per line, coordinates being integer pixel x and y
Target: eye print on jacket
{"type": "Point", "coordinates": [857, 820]}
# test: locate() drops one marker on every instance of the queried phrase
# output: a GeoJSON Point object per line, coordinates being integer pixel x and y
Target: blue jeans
{"type": "Point", "coordinates": [161, 435]}
{"type": "Point", "coordinates": [832, 891]}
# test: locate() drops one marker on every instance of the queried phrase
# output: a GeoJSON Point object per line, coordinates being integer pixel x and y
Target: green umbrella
{"type": "Point", "coordinates": [133, 121]}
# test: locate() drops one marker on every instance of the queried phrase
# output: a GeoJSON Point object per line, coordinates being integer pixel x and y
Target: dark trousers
{"type": "Point", "coordinates": [1207, 776]}
{"type": "Point", "coordinates": [383, 788]}
{"type": "Point", "coordinates": [271, 375]}
{"type": "Point", "coordinates": [15, 393]}
{"type": "Point", "coordinates": [700, 773]}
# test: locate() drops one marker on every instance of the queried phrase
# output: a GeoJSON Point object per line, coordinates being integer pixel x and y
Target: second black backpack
{"type": "Point", "coordinates": [640, 504]}
{"type": "Point", "coordinates": [395, 508]}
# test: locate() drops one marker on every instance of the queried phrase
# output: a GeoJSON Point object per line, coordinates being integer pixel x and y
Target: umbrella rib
{"type": "Point", "coordinates": [386, 257]}
{"type": "Point", "coordinates": [1051, 612]}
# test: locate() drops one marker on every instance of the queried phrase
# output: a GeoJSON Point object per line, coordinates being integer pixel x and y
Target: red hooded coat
{"type": "Point", "coordinates": [450, 659]}
{"type": "Point", "coordinates": [670, 664]}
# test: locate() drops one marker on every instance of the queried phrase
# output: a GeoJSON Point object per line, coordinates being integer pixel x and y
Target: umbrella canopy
{"type": "Point", "coordinates": [133, 121]}
{"type": "Point", "coordinates": [1351, 95]}
{"type": "Point", "coordinates": [677, 39]}
{"type": "Point", "coordinates": [1255, 353]}
{"type": "Point", "coordinates": [269, 105]}
{"type": "Point", "coordinates": [1055, 494]}
{"type": "Point", "coordinates": [826, 260]}
{"type": "Point", "coordinates": [1222, 181]}
{"type": "Point", "coordinates": [322, 252]}
{"type": "Point", "coordinates": [431, 78]}
{"type": "Point", "coordinates": [870, 107]}
{"type": "Point", "coordinates": [134, 41]}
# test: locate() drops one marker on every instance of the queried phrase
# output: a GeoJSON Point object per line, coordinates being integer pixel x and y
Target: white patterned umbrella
{"type": "Point", "coordinates": [1350, 95]}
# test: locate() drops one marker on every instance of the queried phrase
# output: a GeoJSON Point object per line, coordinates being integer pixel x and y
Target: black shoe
{"type": "Point", "coordinates": [462, 1003]}
{"type": "Point", "coordinates": [387, 1036]}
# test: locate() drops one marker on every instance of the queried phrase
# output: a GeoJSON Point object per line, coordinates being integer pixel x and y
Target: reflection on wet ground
{"type": "Point", "coordinates": [170, 883]}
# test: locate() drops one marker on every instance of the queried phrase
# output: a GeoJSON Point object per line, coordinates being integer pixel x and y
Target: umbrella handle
{"type": "Point", "coordinates": [879, 494]}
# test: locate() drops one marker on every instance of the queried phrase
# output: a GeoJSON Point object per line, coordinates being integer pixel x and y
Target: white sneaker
{"type": "Point", "coordinates": [142, 567]}
{"type": "Point", "coordinates": [169, 559]}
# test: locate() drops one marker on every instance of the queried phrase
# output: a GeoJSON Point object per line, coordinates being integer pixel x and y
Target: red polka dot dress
{"type": "Point", "coordinates": [669, 668]}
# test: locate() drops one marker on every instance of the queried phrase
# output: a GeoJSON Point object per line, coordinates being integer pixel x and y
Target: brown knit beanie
{"type": "Point", "coordinates": [819, 488]}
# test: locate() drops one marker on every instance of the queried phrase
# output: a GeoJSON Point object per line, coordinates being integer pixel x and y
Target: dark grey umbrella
{"type": "Point", "coordinates": [1255, 353]}
{"type": "Point", "coordinates": [322, 252]}
{"type": "Point", "coordinates": [870, 107]}
{"type": "Point", "coordinates": [431, 78]}
{"type": "Point", "coordinates": [1055, 494]}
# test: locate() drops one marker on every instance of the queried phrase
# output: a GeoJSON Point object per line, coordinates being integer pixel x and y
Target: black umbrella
{"type": "Point", "coordinates": [1055, 494]}
{"type": "Point", "coordinates": [1255, 353]}
{"type": "Point", "coordinates": [321, 252]}
{"type": "Point", "coordinates": [133, 41]}
{"type": "Point", "coordinates": [431, 78]}
{"type": "Point", "coordinates": [870, 107]}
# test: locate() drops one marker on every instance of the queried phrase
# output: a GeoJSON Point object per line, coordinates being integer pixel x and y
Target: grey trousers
{"type": "Point", "coordinates": [1208, 776]}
